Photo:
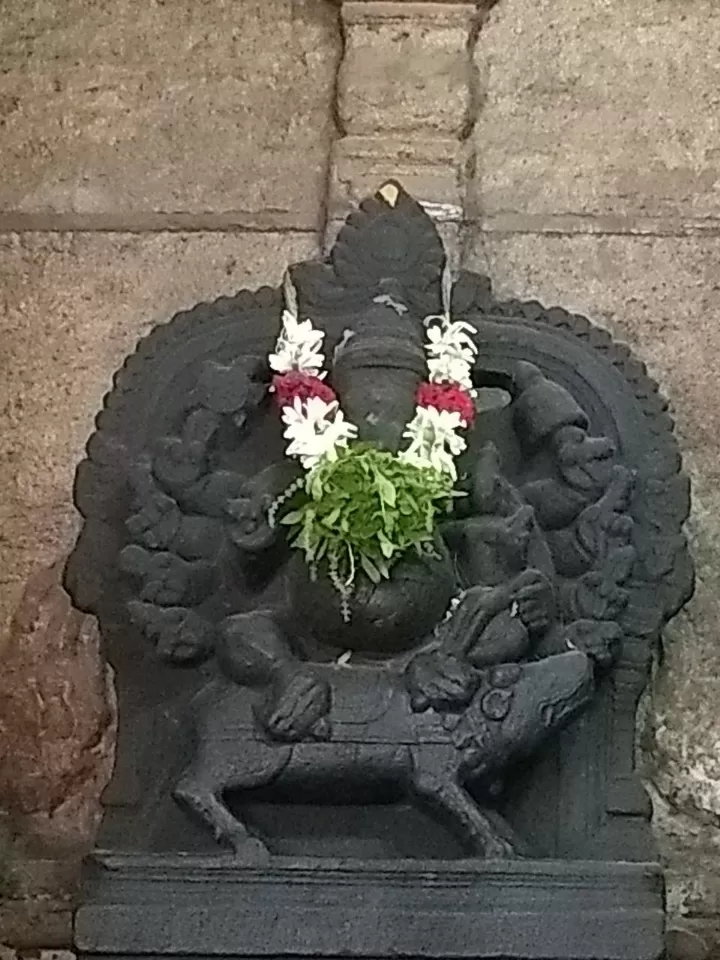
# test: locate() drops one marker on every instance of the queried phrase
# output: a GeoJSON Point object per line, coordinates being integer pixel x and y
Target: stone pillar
{"type": "Point", "coordinates": [406, 106]}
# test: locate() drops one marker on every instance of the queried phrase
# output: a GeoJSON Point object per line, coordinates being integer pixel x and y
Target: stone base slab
{"type": "Point", "coordinates": [200, 906]}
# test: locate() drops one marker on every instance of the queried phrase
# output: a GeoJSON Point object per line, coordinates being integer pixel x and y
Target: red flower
{"type": "Point", "coordinates": [447, 396]}
{"type": "Point", "coordinates": [288, 386]}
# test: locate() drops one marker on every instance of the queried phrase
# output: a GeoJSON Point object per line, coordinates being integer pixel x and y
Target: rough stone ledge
{"type": "Point", "coordinates": [579, 223]}
{"type": "Point", "coordinates": [265, 221]}
{"type": "Point", "coordinates": [362, 11]}
{"type": "Point", "coordinates": [270, 221]}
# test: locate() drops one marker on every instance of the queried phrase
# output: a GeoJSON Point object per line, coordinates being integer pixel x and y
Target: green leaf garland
{"type": "Point", "coordinates": [365, 510]}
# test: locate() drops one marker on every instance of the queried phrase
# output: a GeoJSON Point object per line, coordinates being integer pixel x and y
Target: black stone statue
{"type": "Point", "coordinates": [447, 770]}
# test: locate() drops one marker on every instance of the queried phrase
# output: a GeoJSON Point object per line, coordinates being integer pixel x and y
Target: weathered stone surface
{"type": "Point", "coordinates": [662, 296]}
{"type": "Point", "coordinates": [686, 944]}
{"type": "Point", "coordinates": [432, 170]}
{"type": "Point", "coordinates": [406, 68]}
{"type": "Point", "coordinates": [681, 736]}
{"type": "Point", "coordinates": [31, 536]}
{"type": "Point", "coordinates": [76, 304]}
{"type": "Point", "coordinates": [689, 848]}
{"type": "Point", "coordinates": [110, 110]}
{"type": "Point", "coordinates": [607, 107]}
{"type": "Point", "coordinates": [37, 949]}
{"type": "Point", "coordinates": [10, 954]}
{"type": "Point", "coordinates": [56, 717]}
{"type": "Point", "coordinates": [407, 100]}
{"type": "Point", "coordinates": [36, 898]}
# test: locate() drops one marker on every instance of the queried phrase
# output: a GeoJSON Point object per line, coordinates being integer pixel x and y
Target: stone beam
{"type": "Point", "coordinates": [406, 106]}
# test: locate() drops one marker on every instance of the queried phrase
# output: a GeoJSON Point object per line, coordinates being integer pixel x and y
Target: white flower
{"type": "Point", "coordinates": [451, 369]}
{"type": "Point", "coordinates": [315, 429]}
{"type": "Point", "coordinates": [434, 440]}
{"type": "Point", "coordinates": [451, 351]}
{"type": "Point", "coordinates": [446, 337]}
{"type": "Point", "coordinates": [298, 347]}
{"type": "Point", "coordinates": [438, 459]}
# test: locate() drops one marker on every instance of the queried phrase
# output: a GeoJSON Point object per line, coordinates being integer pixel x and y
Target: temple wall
{"type": "Point", "coordinates": [151, 155]}
{"type": "Point", "coordinates": [598, 188]}
{"type": "Point", "coordinates": [155, 154]}
{"type": "Point", "coordinates": [139, 173]}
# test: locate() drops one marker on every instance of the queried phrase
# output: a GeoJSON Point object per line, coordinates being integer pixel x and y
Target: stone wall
{"type": "Point", "coordinates": [598, 188]}
{"type": "Point", "coordinates": [153, 154]}
{"type": "Point", "coordinates": [159, 153]}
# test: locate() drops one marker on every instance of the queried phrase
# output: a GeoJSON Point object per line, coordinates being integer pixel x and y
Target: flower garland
{"type": "Point", "coordinates": [316, 426]}
{"type": "Point", "coordinates": [363, 507]}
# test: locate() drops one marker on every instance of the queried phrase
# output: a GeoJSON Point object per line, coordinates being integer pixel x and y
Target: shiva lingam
{"type": "Point", "coordinates": [332, 571]}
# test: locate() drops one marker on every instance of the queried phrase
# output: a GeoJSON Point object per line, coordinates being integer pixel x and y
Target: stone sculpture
{"type": "Point", "coordinates": [536, 597]}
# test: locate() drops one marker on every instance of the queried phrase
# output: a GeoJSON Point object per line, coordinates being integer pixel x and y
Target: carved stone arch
{"type": "Point", "coordinates": [151, 395]}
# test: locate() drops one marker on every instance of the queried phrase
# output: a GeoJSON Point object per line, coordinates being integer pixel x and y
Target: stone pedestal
{"type": "Point", "coordinates": [200, 907]}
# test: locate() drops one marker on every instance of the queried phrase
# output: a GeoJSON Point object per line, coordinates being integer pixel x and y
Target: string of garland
{"type": "Point", "coordinates": [360, 508]}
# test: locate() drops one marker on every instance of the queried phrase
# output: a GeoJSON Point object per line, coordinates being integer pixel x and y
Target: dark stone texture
{"type": "Point", "coordinates": [36, 899]}
{"type": "Point", "coordinates": [259, 728]}
{"type": "Point", "coordinates": [336, 909]}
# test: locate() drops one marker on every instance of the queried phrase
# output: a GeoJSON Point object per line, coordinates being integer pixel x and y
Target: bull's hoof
{"type": "Point", "coordinates": [251, 852]}
{"type": "Point", "coordinates": [499, 849]}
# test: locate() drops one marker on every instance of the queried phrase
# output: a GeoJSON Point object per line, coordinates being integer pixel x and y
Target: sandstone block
{"type": "Point", "coordinates": [109, 112]}
{"type": "Point", "coordinates": [406, 103]}
{"type": "Point", "coordinates": [76, 304]}
{"type": "Point", "coordinates": [434, 170]}
{"type": "Point", "coordinates": [56, 716]}
{"type": "Point", "coordinates": [406, 68]}
{"type": "Point", "coordinates": [660, 294]}
{"type": "Point", "coordinates": [608, 108]}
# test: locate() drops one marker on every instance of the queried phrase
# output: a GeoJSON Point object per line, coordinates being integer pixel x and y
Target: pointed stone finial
{"type": "Point", "coordinates": [390, 193]}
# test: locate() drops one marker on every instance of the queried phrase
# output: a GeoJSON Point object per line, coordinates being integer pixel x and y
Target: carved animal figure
{"type": "Point", "coordinates": [374, 736]}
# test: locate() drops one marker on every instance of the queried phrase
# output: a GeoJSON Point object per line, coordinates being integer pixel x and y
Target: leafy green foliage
{"type": "Point", "coordinates": [365, 510]}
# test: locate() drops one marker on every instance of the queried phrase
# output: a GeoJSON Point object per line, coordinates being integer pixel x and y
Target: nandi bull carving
{"type": "Point", "coordinates": [552, 564]}
{"type": "Point", "coordinates": [373, 733]}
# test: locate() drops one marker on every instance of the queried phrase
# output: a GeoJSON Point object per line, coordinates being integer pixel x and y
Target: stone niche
{"type": "Point", "coordinates": [436, 762]}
